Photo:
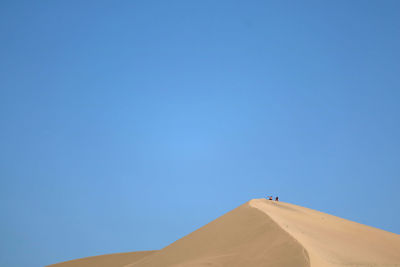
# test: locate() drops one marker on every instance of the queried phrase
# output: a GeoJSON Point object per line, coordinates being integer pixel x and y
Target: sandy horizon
{"type": "Point", "coordinates": [267, 233]}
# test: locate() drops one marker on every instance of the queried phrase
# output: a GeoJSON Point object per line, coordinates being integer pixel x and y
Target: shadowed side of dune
{"type": "Point", "coordinates": [268, 234]}
{"type": "Point", "coordinates": [332, 241]}
{"type": "Point", "coordinates": [243, 237]}
{"type": "Point", "coordinates": [114, 260]}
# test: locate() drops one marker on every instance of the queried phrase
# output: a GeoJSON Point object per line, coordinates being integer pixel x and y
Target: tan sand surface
{"type": "Point", "coordinates": [242, 237]}
{"type": "Point", "coordinates": [333, 241]}
{"type": "Point", "coordinates": [110, 260]}
{"type": "Point", "coordinates": [265, 233]}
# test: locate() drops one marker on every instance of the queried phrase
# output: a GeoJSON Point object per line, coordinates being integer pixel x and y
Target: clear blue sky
{"type": "Point", "coordinates": [126, 125]}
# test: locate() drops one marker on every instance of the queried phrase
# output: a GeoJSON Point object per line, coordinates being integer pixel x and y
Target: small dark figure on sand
{"type": "Point", "coordinates": [277, 199]}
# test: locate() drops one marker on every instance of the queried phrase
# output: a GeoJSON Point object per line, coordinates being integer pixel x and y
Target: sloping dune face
{"type": "Point", "coordinates": [111, 260]}
{"type": "Point", "coordinates": [332, 241]}
{"type": "Point", "coordinates": [244, 237]}
{"type": "Point", "coordinates": [268, 234]}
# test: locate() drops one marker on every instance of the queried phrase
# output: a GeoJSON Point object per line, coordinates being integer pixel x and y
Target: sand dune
{"type": "Point", "coordinates": [242, 237]}
{"type": "Point", "coordinates": [333, 241]}
{"type": "Point", "coordinates": [269, 234]}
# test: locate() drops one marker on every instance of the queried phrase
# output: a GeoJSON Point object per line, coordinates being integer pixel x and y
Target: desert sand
{"type": "Point", "coordinates": [333, 241]}
{"type": "Point", "coordinates": [269, 234]}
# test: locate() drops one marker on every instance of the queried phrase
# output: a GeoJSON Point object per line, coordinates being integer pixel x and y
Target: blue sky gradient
{"type": "Point", "coordinates": [127, 125]}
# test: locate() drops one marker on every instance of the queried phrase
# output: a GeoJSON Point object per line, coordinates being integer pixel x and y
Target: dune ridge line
{"type": "Point", "coordinates": [332, 241]}
{"type": "Point", "coordinates": [242, 237]}
{"type": "Point", "coordinates": [269, 234]}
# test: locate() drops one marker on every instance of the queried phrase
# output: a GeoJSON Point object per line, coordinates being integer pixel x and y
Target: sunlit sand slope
{"type": "Point", "coordinates": [244, 237]}
{"type": "Point", "coordinates": [111, 260]}
{"type": "Point", "coordinates": [333, 241]}
{"type": "Point", "coordinates": [266, 233]}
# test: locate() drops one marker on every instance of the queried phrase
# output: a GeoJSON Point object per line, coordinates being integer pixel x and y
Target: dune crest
{"type": "Point", "coordinates": [242, 237]}
{"type": "Point", "coordinates": [269, 234]}
{"type": "Point", "coordinates": [332, 241]}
